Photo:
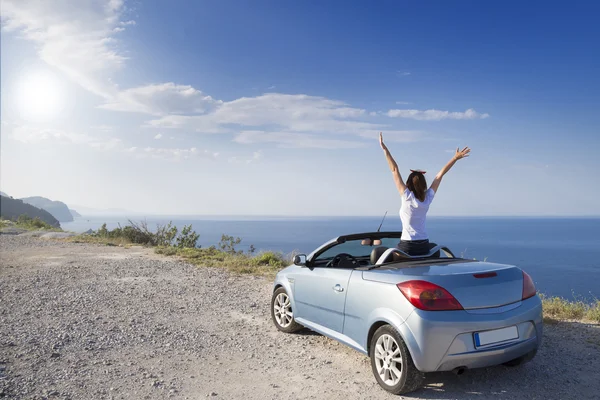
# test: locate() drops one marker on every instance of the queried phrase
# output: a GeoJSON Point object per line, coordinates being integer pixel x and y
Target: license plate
{"type": "Point", "coordinates": [496, 336]}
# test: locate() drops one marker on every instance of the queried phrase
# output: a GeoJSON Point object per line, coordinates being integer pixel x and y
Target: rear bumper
{"type": "Point", "coordinates": [443, 340]}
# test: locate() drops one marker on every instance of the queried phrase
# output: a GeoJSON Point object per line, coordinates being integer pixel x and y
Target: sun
{"type": "Point", "coordinates": [40, 95]}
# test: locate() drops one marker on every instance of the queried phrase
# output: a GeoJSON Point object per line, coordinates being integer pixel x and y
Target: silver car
{"type": "Point", "coordinates": [410, 315]}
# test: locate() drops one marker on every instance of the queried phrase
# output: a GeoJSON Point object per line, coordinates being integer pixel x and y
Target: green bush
{"type": "Point", "coordinates": [187, 238]}
{"type": "Point", "coordinates": [269, 258]}
{"type": "Point", "coordinates": [139, 233]}
{"type": "Point", "coordinates": [228, 243]}
{"type": "Point", "coordinates": [33, 223]}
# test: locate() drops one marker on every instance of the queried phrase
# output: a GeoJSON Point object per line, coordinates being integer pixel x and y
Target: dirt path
{"type": "Point", "coordinates": [93, 322]}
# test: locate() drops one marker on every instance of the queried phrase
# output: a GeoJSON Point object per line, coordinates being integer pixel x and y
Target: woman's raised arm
{"type": "Point", "coordinates": [457, 156]}
{"type": "Point", "coordinates": [393, 166]}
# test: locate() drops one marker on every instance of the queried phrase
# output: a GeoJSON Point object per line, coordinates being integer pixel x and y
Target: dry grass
{"type": "Point", "coordinates": [263, 264]}
{"type": "Point", "coordinates": [119, 241]}
{"type": "Point", "coordinates": [557, 308]}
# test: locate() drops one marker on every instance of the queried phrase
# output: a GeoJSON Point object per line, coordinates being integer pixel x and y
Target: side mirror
{"type": "Point", "coordinates": [300, 259]}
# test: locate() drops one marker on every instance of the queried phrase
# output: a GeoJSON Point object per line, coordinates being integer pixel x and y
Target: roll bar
{"type": "Point", "coordinates": [434, 250]}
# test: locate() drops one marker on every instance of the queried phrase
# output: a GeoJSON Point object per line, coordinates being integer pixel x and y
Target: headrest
{"type": "Point", "coordinates": [376, 253]}
{"type": "Point", "coordinates": [369, 242]}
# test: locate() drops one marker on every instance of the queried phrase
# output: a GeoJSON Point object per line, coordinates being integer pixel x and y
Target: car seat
{"type": "Point", "coordinates": [376, 253]}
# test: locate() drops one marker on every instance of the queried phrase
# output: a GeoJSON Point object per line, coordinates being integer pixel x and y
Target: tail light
{"type": "Point", "coordinates": [428, 296]}
{"type": "Point", "coordinates": [528, 286]}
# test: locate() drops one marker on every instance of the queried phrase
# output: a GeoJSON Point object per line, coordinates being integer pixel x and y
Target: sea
{"type": "Point", "coordinates": [561, 254]}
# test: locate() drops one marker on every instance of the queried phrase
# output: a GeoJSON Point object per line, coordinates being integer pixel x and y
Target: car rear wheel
{"type": "Point", "coordinates": [391, 362]}
{"type": "Point", "coordinates": [282, 313]}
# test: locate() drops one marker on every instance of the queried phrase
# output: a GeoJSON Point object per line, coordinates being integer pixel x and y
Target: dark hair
{"type": "Point", "coordinates": [417, 184]}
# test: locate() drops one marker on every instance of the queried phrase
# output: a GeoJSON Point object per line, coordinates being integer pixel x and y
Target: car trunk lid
{"type": "Point", "coordinates": [474, 284]}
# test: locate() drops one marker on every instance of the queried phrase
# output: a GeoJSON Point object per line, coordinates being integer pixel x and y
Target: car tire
{"type": "Point", "coordinates": [386, 346]}
{"type": "Point", "coordinates": [282, 313]}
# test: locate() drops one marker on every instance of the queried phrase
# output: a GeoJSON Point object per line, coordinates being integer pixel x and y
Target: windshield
{"type": "Point", "coordinates": [356, 248]}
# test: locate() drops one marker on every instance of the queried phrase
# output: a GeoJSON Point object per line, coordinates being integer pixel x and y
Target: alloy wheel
{"type": "Point", "coordinates": [388, 360]}
{"type": "Point", "coordinates": [283, 310]}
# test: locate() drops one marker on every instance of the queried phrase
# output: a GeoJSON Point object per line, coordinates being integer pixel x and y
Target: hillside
{"type": "Point", "coordinates": [13, 208]}
{"type": "Point", "coordinates": [58, 209]}
{"type": "Point", "coordinates": [74, 213]}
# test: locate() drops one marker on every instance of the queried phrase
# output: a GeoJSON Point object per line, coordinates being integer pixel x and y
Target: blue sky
{"type": "Point", "coordinates": [273, 108]}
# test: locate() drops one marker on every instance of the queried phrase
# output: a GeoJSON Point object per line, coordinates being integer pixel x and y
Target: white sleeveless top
{"type": "Point", "coordinates": [413, 213]}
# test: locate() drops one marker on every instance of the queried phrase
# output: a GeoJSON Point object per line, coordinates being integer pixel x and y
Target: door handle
{"type": "Point", "coordinates": [338, 288]}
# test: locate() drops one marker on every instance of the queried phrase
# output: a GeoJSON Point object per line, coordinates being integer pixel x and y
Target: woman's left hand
{"type": "Point", "coordinates": [462, 153]}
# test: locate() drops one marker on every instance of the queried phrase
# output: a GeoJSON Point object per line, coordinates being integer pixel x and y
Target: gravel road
{"type": "Point", "coordinates": [80, 321]}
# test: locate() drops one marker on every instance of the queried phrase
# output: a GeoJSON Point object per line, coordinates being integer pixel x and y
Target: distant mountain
{"type": "Point", "coordinates": [12, 208]}
{"type": "Point", "coordinates": [74, 213]}
{"type": "Point", "coordinates": [88, 211]}
{"type": "Point", "coordinates": [4, 194]}
{"type": "Point", "coordinates": [58, 209]}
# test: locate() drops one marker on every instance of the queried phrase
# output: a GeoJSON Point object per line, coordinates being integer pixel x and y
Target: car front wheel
{"type": "Point", "coordinates": [391, 362]}
{"type": "Point", "coordinates": [282, 313]}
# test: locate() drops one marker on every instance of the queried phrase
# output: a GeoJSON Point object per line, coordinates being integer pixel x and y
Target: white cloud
{"type": "Point", "coordinates": [158, 136]}
{"type": "Point", "coordinates": [162, 99]}
{"type": "Point", "coordinates": [403, 102]}
{"type": "Point", "coordinates": [294, 140]}
{"type": "Point", "coordinates": [289, 121]}
{"type": "Point", "coordinates": [75, 39]}
{"type": "Point", "coordinates": [403, 73]}
{"type": "Point", "coordinates": [172, 153]}
{"type": "Point", "coordinates": [435, 115]}
{"type": "Point", "coordinates": [391, 135]}
{"type": "Point", "coordinates": [36, 135]}
{"type": "Point", "coordinates": [106, 144]}
{"type": "Point", "coordinates": [103, 128]}
{"type": "Point", "coordinates": [274, 112]}
{"type": "Point", "coordinates": [256, 156]}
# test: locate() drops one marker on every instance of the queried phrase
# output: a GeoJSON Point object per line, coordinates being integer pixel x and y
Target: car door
{"type": "Point", "coordinates": [320, 295]}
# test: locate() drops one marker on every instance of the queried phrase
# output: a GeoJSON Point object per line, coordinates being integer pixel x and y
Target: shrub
{"type": "Point", "coordinates": [593, 313]}
{"type": "Point", "coordinates": [228, 243]}
{"type": "Point", "coordinates": [562, 309]}
{"type": "Point", "coordinates": [557, 307]}
{"type": "Point", "coordinates": [33, 223]}
{"type": "Point", "coordinates": [139, 233]}
{"type": "Point", "coordinates": [269, 258]}
{"type": "Point", "coordinates": [187, 238]}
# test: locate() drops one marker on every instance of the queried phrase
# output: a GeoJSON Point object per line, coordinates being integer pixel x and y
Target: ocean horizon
{"type": "Point", "coordinates": [560, 265]}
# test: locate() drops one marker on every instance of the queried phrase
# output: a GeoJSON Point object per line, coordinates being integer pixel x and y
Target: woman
{"type": "Point", "coordinates": [416, 199]}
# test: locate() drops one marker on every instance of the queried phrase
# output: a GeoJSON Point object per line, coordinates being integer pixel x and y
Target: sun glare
{"type": "Point", "coordinates": [40, 95]}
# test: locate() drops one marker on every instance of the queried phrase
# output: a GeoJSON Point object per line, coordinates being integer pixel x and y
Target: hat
{"type": "Point", "coordinates": [418, 170]}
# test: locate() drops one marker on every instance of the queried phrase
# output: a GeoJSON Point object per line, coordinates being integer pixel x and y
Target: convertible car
{"type": "Point", "coordinates": [410, 314]}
